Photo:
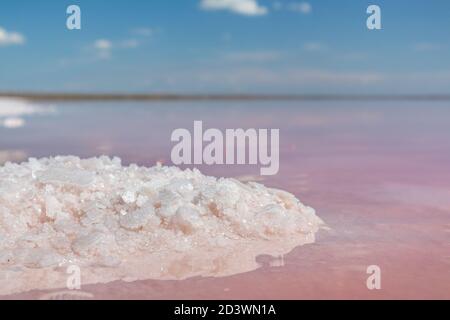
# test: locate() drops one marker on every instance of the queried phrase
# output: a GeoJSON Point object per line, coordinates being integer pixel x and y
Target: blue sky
{"type": "Point", "coordinates": [230, 46]}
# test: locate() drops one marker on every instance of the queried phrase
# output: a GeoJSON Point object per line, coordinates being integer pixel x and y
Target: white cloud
{"type": "Point", "coordinates": [277, 5]}
{"type": "Point", "coordinates": [103, 44]}
{"type": "Point", "coordinates": [253, 56]}
{"type": "Point", "coordinates": [144, 31]}
{"type": "Point", "coordinates": [100, 49]}
{"type": "Point", "coordinates": [287, 78]}
{"type": "Point", "coordinates": [130, 44]}
{"type": "Point", "coordinates": [314, 47]}
{"type": "Point", "coordinates": [8, 38]}
{"type": "Point", "coordinates": [332, 77]}
{"type": "Point", "coordinates": [103, 48]}
{"type": "Point", "coordinates": [426, 47]}
{"type": "Point", "coordinates": [244, 7]}
{"type": "Point", "coordinates": [301, 7]}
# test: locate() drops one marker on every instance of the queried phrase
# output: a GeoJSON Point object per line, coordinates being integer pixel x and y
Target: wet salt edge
{"type": "Point", "coordinates": [135, 223]}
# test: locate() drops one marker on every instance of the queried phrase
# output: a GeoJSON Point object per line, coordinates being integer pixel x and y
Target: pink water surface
{"type": "Point", "coordinates": [378, 174]}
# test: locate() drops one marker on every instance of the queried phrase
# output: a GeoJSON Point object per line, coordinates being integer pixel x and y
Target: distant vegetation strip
{"type": "Point", "coordinates": [218, 97]}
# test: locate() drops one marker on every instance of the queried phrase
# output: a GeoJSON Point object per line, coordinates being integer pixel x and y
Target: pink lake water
{"type": "Point", "coordinates": [378, 174]}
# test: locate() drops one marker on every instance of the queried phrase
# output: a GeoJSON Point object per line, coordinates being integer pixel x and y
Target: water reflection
{"type": "Point", "coordinates": [377, 172]}
{"type": "Point", "coordinates": [13, 112]}
{"type": "Point", "coordinates": [12, 156]}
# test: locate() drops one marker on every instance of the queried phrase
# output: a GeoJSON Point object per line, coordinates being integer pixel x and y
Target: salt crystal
{"type": "Point", "coordinates": [52, 207]}
{"type": "Point", "coordinates": [67, 176]}
{"type": "Point", "coordinates": [141, 200]}
{"type": "Point", "coordinates": [137, 219]}
{"type": "Point", "coordinates": [187, 219]}
{"type": "Point", "coordinates": [129, 197]}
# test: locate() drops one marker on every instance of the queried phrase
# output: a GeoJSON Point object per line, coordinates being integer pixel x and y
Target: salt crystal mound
{"type": "Point", "coordinates": [135, 223]}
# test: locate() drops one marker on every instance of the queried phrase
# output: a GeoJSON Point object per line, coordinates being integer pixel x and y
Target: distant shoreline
{"type": "Point", "coordinates": [220, 97]}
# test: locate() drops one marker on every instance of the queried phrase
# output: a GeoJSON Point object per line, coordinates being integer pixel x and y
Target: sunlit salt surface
{"type": "Point", "coordinates": [131, 223]}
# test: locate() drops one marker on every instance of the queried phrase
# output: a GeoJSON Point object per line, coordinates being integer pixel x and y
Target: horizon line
{"type": "Point", "coordinates": [216, 96]}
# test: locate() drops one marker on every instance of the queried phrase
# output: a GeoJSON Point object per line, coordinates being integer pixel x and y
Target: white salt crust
{"type": "Point", "coordinates": [134, 223]}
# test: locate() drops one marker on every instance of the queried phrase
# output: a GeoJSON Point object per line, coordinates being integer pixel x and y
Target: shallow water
{"type": "Point", "coordinates": [376, 172]}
